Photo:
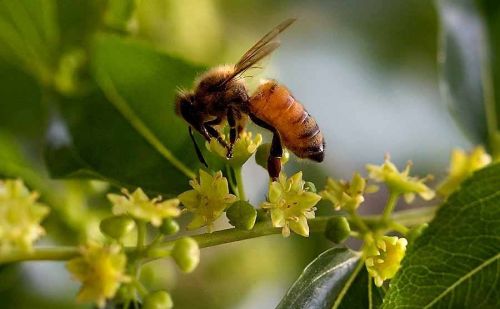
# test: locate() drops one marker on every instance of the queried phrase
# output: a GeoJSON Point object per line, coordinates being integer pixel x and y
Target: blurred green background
{"type": "Point", "coordinates": [366, 70]}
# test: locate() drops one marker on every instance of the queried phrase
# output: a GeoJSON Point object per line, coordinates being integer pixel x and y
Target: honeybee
{"type": "Point", "coordinates": [220, 94]}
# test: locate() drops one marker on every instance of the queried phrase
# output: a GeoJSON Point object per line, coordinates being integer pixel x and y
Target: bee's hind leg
{"type": "Point", "coordinates": [232, 132]}
{"type": "Point", "coordinates": [274, 159]}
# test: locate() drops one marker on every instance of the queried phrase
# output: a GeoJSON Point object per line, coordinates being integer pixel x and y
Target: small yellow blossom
{"type": "Point", "coordinates": [208, 199]}
{"type": "Point", "coordinates": [20, 216]}
{"type": "Point", "coordinates": [290, 204]}
{"type": "Point", "coordinates": [101, 271]}
{"type": "Point", "coordinates": [139, 206]}
{"type": "Point", "coordinates": [400, 182]}
{"type": "Point", "coordinates": [384, 258]}
{"type": "Point", "coordinates": [346, 195]}
{"type": "Point", "coordinates": [461, 167]}
{"type": "Point", "coordinates": [244, 147]}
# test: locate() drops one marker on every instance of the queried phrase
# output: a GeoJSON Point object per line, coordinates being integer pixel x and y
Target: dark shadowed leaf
{"type": "Point", "coordinates": [491, 12]}
{"type": "Point", "coordinates": [127, 132]}
{"type": "Point", "coordinates": [456, 261]}
{"type": "Point", "coordinates": [463, 45]}
{"type": "Point", "coordinates": [335, 279]}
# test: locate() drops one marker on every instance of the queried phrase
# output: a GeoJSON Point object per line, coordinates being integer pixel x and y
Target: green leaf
{"type": "Point", "coordinates": [29, 35]}
{"type": "Point", "coordinates": [21, 110]}
{"type": "Point", "coordinates": [126, 131]}
{"type": "Point", "coordinates": [491, 12]}
{"type": "Point", "coordinates": [461, 54]}
{"type": "Point", "coordinates": [363, 293]}
{"type": "Point", "coordinates": [242, 215]}
{"type": "Point", "coordinates": [14, 164]}
{"type": "Point", "coordinates": [455, 262]}
{"type": "Point", "coordinates": [337, 278]}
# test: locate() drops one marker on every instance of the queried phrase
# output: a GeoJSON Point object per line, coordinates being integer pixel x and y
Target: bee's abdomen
{"type": "Point", "coordinates": [275, 105]}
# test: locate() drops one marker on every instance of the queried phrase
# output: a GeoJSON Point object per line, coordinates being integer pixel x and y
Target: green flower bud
{"type": "Point", "coordinates": [186, 254]}
{"type": "Point", "coordinates": [337, 229]}
{"type": "Point", "coordinates": [310, 187]}
{"type": "Point", "coordinates": [117, 227]}
{"type": "Point", "coordinates": [158, 300]}
{"type": "Point", "coordinates": [262, 215]}
{"type": "Point", "coordinates": [262, 155]}
{"type": "Point", "coordinates": [169, 227]}
{"type": "Point", "coordinates": [416, 231]}
{"type": "Point", "coordinates": [242, 215]}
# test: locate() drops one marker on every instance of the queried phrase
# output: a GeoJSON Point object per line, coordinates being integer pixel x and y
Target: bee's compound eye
{"type": "Point", "coordinates": [183, 104]}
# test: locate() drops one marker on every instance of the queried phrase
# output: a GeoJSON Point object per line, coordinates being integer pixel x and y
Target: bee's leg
{"type": "Point", "coordinates": [212, 132]}
{"type": "Point", "coordinates": [274, 160]}
{"type": "Point", "coordinates": [198, 151]}
{"type": "Point", "coordinates": [232, 131]}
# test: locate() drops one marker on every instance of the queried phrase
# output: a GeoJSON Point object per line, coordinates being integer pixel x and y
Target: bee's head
{"type": "Point", "coordinates": [184, 105]}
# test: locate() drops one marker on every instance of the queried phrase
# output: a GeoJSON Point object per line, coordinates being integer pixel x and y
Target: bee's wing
{"type": "Point", "coordinates": [265, 46]}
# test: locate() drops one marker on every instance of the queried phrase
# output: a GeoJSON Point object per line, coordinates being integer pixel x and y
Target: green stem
{"type": "Point", "coordinates": [316, 225]}
{"type": "Point", "coordinates": [40, 254]}
{"type": "Point", "coordinates": [389, 207]}
{"type": "Point", "coordinates": [141, 234]}
{"type": "Point", "coordinates": [398, 228]}
{"type": "Point", "coordinates": [230, 178]}
{"type": "Point", "coordinates": [239, 183]}
{"type": "Point", "coordinates": [363, 228]}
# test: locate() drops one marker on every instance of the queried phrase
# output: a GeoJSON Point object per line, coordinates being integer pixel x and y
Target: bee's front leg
{"type": "Point", "coordinates": [212, 132]}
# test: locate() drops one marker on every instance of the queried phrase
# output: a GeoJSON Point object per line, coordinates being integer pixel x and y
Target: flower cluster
{"type": "Point", "coordinates": [461, 167]}
{"type": "Point", "coordinates": [20, 216]}
{"type": "Point", "coordinates": [244, 147]}
{"type": "Point", "coordinates": [101, 271]}
{"type": "Point", "coordinates": [209, 198]}
{"type": "Point", "coordinates": [384, 257]}
{"type": "Point", "coordinates": [400, 182]}
{"type": "Point", "coordinates": [290, 204]}
{"type": "Point", "coordinates": [139, 206]}
{"type": "Point", "coordinates": [346, 195]}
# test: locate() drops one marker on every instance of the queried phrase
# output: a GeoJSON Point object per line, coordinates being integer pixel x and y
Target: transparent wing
{"type": "Point", "coordinates": [265, 46]}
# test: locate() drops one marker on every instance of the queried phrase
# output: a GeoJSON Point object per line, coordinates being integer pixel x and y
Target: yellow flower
{"type": "Point", "coordinates": [290, 204]}
{"type": "Point", "coordinates": [461, 167]}
{"type": "Point", "coordinates": [20, 216]}
{"type": "Point", "coordinates": [139, 206]}
{"type": "Point", "coordinates": [346, 195]}
{"type": "Point", "coordinates": [244, 147]}
{"type": "Point", "coordinates": [384, 257]}
{"type": "Point", "coordinates": [101, 271]}
{"type": "Point", "coordinates": [400, 182]}
{"type": "Point", "coordinates": [208, 199]}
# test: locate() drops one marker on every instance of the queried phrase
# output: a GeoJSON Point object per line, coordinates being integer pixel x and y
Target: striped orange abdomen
{"type": "Point", "coordinates": [274, 104]}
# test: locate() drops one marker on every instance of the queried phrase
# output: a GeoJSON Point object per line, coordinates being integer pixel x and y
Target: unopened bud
{"type": "Point", "coordinates": [169, 227]}
{"type": "Point", "coordinates": [158, 300]}
{"type": "Point", "coordinates": [117, 227]}
{"type": "Point", "coordinates": [242, 215]}
{"type": "Point", "coordinates": [337, 229]}
{"type": "Point", "coordinates": [186, 254]}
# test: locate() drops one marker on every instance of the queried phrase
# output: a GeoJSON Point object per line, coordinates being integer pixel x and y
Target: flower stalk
{"type": "Point", "coordinates": [239, 182]}
{"type": "Point", "coordinates": [317, 225]}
